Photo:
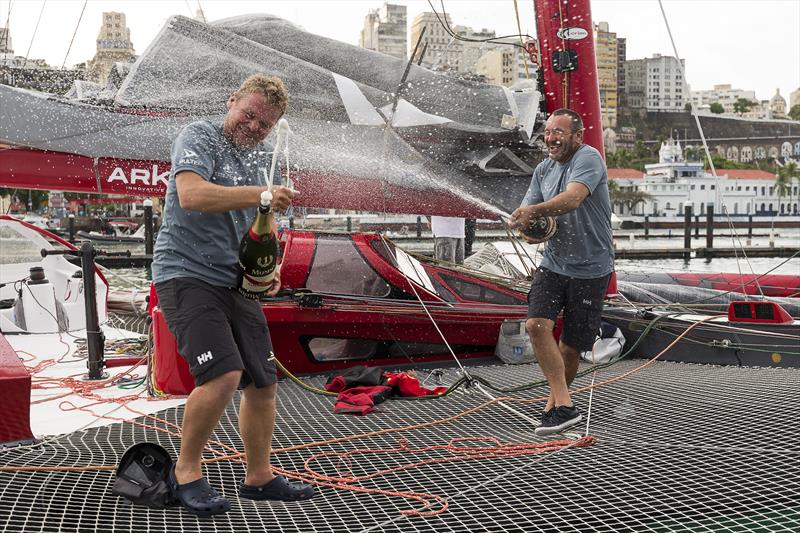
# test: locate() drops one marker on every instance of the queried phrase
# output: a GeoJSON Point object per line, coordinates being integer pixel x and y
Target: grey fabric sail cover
{"type": "Point", "coordinates": [476, 140]}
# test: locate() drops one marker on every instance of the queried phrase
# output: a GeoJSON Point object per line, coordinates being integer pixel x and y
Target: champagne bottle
{"type": "Point", "coordinates": [541, 228]}
{"type": "Point", "coordinates": [258, 252]}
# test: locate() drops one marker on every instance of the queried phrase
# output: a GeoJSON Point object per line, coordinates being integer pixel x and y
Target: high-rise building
{"type": "Point", "coordinates": [607, 57]}
{"type": "Point", "coordinates": [504, 63]}
{"type": "Point", "coordinates": [636, 83]}
{"type": "Point", "coordinates": [385, 31]}
{"type": "Point", "coordinates": [621, 55]}
{"type": "Point", "coordinates": [498, 66]}
{"type": "Point", "coordinates": [665, 84]}
{"type": "Point", "coordinates": [474, 47]}
{"type": "Point", "coordinates": [113, 45]}
{"type": "Point", "coordinates": [441, 50]}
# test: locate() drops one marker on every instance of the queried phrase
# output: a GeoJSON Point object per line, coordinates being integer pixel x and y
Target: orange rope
{"type": "Point", "coordinates": [459, 453]}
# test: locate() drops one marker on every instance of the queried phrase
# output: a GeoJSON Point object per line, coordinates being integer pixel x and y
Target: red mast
{"type": "Point", "coordinates": [566, 41]}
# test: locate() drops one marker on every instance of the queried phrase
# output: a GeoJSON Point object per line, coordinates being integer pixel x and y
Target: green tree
{"type": "Point", "coordinates": [640, 151]}
{"type": "Point", "coordinates": [794, 112]}
{"type": "Point", "coordinates": [743, 105]}
{"type": "Point", "coordinates": [629, 198]}
{"type": "Point", "coordinates": [694, 153]}
{"type": "Point", "coordinates": [687, 107]}
{"type": "Point", "coordinates": [36, 197]}
{"type": "Point", "coordinates": [717, 108]}
{"type": "Point", "coordinates": [783, 179]}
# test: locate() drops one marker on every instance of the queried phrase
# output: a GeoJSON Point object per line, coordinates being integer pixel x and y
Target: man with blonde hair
{"type": "Point", "coordinates": [215, 185]}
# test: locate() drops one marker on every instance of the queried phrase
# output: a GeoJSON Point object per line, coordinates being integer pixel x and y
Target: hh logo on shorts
{"type": "Point", "coordinates": [586, 301]}
{"type": "Point", "coordinates": [204, 357]}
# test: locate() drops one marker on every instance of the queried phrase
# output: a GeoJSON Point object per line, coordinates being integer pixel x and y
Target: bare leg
{"type": "Point", "coordinates": [572, 359]}
{"type": "Point", "coordinates": [204, 407]}
{"type": "Point", "coordinates": [551, 360]}
{"type": "Point", "coordinates": [256, 424]}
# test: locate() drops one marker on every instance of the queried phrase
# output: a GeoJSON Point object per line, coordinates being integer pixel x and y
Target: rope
{"type": "Point", "coordinates": [731, 226]}
{"type": "Point", "coordinates": [521, 42]}
{"type": "Point", "coordinates": [564, 75]}
{"type": "Point", "coordinates": [74, 34]}
{"type": "Point", "coordinates": [35, 29]}
{"type": "Point", "coordinates": [345, 482]}
{"type": "Point", "coordinates": [424, 307]}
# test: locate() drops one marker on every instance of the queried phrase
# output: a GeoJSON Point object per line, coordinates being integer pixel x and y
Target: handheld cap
{"type": "Point", "coordinates": [266, 198]}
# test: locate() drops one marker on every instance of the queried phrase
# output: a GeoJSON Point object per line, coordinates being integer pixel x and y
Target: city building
{"type": "Point", "coordinates": [5, 41]}
{"type": "Point", "coordinates": [442, 51]}
{"type": "Point", "coordinates": [636, 83]}
{"type": "Point", "coordinates": [724, 95]}
{"type": "Point", "coordinates": [621, 55]}
{"type": "Point", "coordinates": [777, 105]}
{"type": "Point", "coordinates": [673, 181]}
{"type": "Point", "coordinates": [505, 63]}
{"type": "Point", "coordinates": [607, 58]}
{"type": "Point", "coordinates": [498, 66]}
{"type": "Point", "coordinates": [794, 98]}
{"type": "Point", "coordinates": [385, 31]}
{"type": "Point", "coordinates": [665, 84]}
{"type": "Point", "coordinates": [473, 48]}
{"type": "Point", "coordinates": [113, 45]}
{"type": "Point", "coordinates": [36, 74]}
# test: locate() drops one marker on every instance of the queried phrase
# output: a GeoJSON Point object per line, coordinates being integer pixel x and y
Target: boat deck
{"type": "Point", "coordinates": [679, 447]}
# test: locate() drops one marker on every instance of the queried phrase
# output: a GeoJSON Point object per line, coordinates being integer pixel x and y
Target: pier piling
{"type": "Point", "coordinates": [687, 231]}
{"type": "Point", "coordinates": [710, 228]}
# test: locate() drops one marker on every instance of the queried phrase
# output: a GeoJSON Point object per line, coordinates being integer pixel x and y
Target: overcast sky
{"type": "Point", "coordinates": [751, 44]}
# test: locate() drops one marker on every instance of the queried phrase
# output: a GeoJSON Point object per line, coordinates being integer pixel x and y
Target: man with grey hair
{"type": "Point", "coordinates": [572, 186]}
{"type": "Point", "coordinates": [215, 185]}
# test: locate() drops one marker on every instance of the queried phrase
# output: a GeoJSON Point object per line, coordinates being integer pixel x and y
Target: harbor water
{"type": "Point", "coordinates": [15, 250]}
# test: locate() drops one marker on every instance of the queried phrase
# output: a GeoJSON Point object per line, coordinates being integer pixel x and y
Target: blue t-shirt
{"type": "Point", "coordinates": [582, 246]}
{"type": "Point", "coordinates": [200, 245]}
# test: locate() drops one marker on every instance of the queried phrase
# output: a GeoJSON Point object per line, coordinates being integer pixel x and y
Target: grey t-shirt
{"type": "Point", "coordinates": [582, 246]}
{"type": "Point", "coordinates": [199, 245]}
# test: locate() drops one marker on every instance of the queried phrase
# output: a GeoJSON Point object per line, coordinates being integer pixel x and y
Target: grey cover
{"type": "Point", "coordinates": [445, 133]}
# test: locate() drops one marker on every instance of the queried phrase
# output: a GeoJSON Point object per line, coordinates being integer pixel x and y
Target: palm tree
{"type": "Point", "coordinates": [784, 179]}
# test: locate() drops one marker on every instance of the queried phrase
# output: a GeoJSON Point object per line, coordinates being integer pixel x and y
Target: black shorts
{"type": "Point", "coordinates": [581, 300]}
{"type": "Point", "coordinates": [218, 330]}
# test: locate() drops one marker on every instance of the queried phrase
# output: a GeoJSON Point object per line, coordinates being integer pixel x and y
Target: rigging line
{"type": "Point", "coordinates": [202, 13]}
{"type": "Point", "coordinates": [44, 2]}
{"type": "Point", "coordinates": [515, 244]}
{"type": "Point", "coordinates": [449, 31]}
{"type": "Point", "coordinates": [521, 42]}
{"type": "Point", "coordinates": [435, 325]}
{"type": "Point", "coordinates": [8, 27]}
{"type": "Point", "coordinates": [74, 34]}
{"type": "Point", "coordinates": [699, 126]}
{"type": "Point", "coordinates": [564, 75]}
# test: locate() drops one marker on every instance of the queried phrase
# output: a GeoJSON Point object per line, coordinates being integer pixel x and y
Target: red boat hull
{"type": "Point", "coordinates": [315, 331]}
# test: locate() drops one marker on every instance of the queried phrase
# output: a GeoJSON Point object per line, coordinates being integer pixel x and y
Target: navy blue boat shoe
{"type": "Point", "coordinates": [557, 420]}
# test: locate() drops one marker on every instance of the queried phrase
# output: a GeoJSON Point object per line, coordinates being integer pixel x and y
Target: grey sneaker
{"type": "Point", "coordinates": [558, 420]}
